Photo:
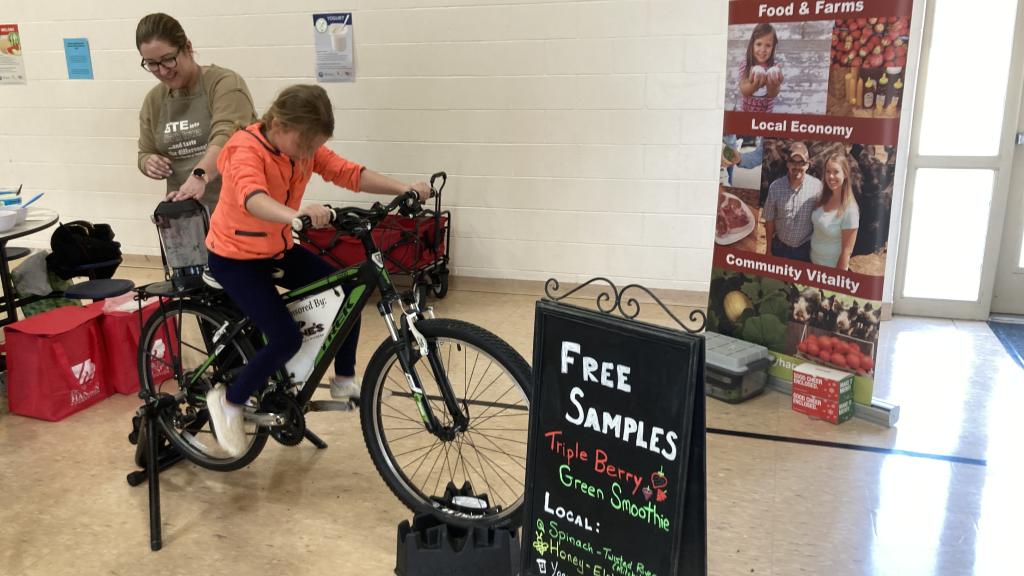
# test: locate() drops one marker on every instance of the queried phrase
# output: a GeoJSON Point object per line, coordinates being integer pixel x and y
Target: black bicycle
{"type": "Point", "coordinates": [444, 404]}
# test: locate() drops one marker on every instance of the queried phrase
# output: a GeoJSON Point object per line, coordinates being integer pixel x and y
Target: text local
{"type": "Point", "coordinates": [625, 428]}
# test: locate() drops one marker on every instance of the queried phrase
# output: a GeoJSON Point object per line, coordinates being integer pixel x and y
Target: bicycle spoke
{"type": "Point", "coordinates": [496, 378]}
{"type": "Point", "coordinates": [419, 430]}
{"type": "Point", "coordinates": [497, 468]}
{"type": "Point", "coordinates": [399, 414]}
{"type": "Point", "coordinates": [499, 450]}
{"type": "Point", "coordinates": [476, 392]}
{"type": "Point", "coordinates": [434, 465]}
{"type": "Point", "coordinates": [482, 472]}
{"type": "Point", "coordinates": [495, 436]}
{"type": "Point", "coordinates": [447, 463]}
{"type": "Point", "coordinates": [481, 416]}
{"type": "Point", "coordinates": [503, 475]}
{"type": "Point", "coordinates": [422, 457]}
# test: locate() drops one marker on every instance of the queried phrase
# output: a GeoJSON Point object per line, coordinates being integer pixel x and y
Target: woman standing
{"type": "Point", "coordinates": [837, 217]}
{"type": "Point", "coordinates": [187, 118]}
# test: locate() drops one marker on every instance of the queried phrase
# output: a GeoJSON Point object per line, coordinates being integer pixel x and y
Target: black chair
{"type": "Point", "coordinates": [15, 253]}
{"type": "Point", "coordinates": [95, 288]}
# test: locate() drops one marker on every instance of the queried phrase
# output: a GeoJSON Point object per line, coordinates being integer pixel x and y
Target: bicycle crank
{"type": "Point", "coordinates": [281, 413]}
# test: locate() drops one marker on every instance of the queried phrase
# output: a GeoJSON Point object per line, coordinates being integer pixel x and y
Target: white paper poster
{"type": "Point", "coordinates": [12, 65]}
{"type": "Point", "coordinates": [332, 40]}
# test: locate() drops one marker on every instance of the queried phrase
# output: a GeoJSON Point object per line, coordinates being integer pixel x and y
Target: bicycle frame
{"type": "Point", "coordinates": [359, 284]}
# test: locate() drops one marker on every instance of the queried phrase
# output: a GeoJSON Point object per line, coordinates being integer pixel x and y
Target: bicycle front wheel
{"type": "Point", "coordinates": [492, 384]}
{"type": "Point", "coordinates": [174, 347]}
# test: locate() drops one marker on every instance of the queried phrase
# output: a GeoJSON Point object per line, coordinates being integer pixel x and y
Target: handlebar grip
{"type": "Point", "coordinates": [435, 190]}
{"type": "Point", "coordinates": [300, 223]}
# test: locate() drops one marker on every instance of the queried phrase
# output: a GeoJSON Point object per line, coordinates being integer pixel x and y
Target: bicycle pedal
{"type": "Point", "coordinates": [331, 406]}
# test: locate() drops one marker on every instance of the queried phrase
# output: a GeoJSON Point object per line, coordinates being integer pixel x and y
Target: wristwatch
{"type": "Point", "coordinates": [201, 174]}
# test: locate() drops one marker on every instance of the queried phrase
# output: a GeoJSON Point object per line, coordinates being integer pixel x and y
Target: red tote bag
{"type": "Point", "coordinates": [121, 334]}
{"type": "Point", "coordinates": [56, 363]}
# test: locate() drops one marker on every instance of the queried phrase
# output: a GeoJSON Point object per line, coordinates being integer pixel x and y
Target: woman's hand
{"type": "Point", "coordinates": [158, 167]}
{"type": "Point", "coordinates": [319, 214]}
{"type": "Point", "coordinates": [192, 188]}
{"type": "Point", "coordinates": [422, 189]}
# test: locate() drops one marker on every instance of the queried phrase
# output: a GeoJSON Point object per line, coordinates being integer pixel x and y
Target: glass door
{"type": "Point", "coordinates": [961, 158]}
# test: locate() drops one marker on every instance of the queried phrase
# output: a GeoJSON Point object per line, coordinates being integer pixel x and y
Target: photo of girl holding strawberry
{"type": "Point", "coordinates": [760, 77]}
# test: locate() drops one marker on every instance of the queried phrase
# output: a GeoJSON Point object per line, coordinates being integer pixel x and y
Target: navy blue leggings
{"type": "Point", "coordinates": [251, 286]}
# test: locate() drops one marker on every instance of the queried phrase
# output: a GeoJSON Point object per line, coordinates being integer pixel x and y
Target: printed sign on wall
{"type": "Point", "coordinates": [332, 40]}
{"type": "Point", "coordinates": [79, 59]}
{"type": "Point", "coordinates": [12, 64]}
{"type": "Point", "coordinates": [813, 99]}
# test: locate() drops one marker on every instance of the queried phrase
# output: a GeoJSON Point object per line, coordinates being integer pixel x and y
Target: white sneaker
{"type": "Point", "coordinates": [346, 389]}
{"type": "Point", "coordinates": [209, 280]}
{"type": "Point", "coordinates": [227, 421]}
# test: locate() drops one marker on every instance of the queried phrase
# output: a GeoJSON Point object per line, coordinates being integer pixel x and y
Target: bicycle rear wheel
{"type": "Point", "coordinates": [492, 383]}
{"type": "Point", "coordinates": [174, 346]}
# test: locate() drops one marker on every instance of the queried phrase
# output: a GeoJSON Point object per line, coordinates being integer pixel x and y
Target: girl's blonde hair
{"type": "Point", "coordinates": [762, 29]}
{"type": "Point", "coordinates": [304, 108]}
{"type": "Point", "coordinates": [846, 198]}
{"type": "Point", "coordinates": [160, 26]}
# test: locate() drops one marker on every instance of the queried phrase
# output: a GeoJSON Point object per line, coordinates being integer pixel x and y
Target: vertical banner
{"type": "Point", "coordinates": [332, 40]}
{"type": "Point", "coordinates": [12, 65]}
{"type": "Point", "coordinates": [812, 110]}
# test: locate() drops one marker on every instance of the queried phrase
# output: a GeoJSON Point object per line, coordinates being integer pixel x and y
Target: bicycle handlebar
{"type": "Point", "coordinates": [349, 218]}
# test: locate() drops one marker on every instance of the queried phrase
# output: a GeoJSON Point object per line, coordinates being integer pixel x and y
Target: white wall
{"type": "Point", "coordinates": [581, 137]}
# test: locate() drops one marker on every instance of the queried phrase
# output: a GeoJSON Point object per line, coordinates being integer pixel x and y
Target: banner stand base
{"type": "Point", "coordinates": [880, 412]}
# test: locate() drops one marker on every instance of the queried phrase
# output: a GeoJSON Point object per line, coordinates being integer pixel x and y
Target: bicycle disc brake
{"type": "Point", "coordinates": [293, 430]}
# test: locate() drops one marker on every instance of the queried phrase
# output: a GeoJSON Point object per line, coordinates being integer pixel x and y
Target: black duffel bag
{"type": "Point", "coordinates": [76, 245]}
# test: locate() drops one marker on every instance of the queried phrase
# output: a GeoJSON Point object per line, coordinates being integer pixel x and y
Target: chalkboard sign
{"type": "Point", "coordinates": [615, 467]}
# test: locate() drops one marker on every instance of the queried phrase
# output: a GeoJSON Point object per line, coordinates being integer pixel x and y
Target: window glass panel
{"type": "Point", "coordinates": [948, 228]}
{"type": "Point", "coordinates": [965, 87]}
{"type": "Point", "coordinates": [1020, 264]}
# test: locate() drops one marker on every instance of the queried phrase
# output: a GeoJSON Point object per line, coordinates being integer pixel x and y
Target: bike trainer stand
{"type": "Point", "coordinates": [429, 546]}
{"type": "Point", "coordinates": [154, 454]}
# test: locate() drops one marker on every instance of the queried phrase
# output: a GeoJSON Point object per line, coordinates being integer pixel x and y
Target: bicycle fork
{"type": "Point", "coordinates": [412, 346]}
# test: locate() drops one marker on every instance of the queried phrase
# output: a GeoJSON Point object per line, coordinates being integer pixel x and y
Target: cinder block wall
{"type": "Point", "coordinates": [581, 137]}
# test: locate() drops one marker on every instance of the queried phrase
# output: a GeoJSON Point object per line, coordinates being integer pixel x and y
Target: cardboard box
{"type": "Point", "coordinates": [827, 383]}
{"type": "Point", "coordinates": [832, 411]}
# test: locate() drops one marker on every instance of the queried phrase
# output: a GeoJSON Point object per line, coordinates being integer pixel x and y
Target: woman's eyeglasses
{"type": "Point", "coordinates": [168, 62]}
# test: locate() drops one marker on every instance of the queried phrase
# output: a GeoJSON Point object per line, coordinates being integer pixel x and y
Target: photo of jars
{"type": "Point", "coordinates": [869, 61]}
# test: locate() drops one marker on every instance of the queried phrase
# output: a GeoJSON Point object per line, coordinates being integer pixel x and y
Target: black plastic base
{"type": "Point", "coordinates": [430, 547]}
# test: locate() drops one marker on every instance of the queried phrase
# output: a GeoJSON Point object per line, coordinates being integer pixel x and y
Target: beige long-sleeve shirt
{"type": "Point", "coordinates": [231, 107]}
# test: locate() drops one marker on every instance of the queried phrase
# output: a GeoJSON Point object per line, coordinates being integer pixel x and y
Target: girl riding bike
{"type": "Point", "coordinates": [265, 170]}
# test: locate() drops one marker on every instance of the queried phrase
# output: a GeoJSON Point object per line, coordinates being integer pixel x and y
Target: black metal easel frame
{"type": "Point", "coordinates": [690, 551]}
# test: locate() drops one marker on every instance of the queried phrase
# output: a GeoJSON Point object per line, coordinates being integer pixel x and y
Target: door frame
{"type": "Point", "coordinates": [1009, 274]}
{"type": "Point", "coordinates": [1002, 165]}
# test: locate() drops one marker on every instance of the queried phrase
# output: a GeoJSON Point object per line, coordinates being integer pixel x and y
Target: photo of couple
{"type": "Point", "coordinates": [809, 220]}
{"type": "Point", "coordinates": [827, 203]}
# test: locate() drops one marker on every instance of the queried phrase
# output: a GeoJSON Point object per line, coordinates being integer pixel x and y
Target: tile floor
{"type": "Point", "coordinates": [775, 508]}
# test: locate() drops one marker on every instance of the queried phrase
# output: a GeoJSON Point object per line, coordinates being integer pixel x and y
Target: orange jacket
{"type": "Point", "coordinates": [249, 164]}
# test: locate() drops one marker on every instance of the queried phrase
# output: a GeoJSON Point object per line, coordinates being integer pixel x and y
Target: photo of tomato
{"type": "Point", "coordinates": [836, 351]}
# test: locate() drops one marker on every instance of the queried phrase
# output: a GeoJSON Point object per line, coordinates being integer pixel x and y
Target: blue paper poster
{"type": "Point", "coordinates": [76, 50]}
